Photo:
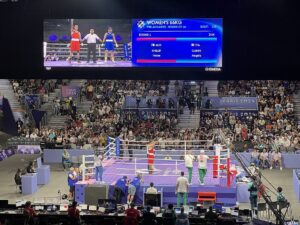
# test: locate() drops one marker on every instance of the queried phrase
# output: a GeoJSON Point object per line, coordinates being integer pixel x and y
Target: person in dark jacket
{"type": "Point", "coordinates": [148, 217]}
{"type": "Point", "coordinates": [18, 179]}
{"type": "Point", "coordinates": [182, 218]}
{"type": "Point", "coordinates": [169, 216]}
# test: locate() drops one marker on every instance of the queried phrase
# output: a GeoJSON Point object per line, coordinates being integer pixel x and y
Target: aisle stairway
{"type": "Point", "coordinates": [212, 87]}
{"type": "Point", "coordinates": [296, 102]}
{"type": "Point", "coordinates": [54, 121]}
{"type": "Point", "coordinates": [6, 90]}
{"type": "Point", "coordinates": [171, 91]}
{"type": "Point", "coordinates": [84, 105]}
{"type": "Point", "coordinates": [187, 120]}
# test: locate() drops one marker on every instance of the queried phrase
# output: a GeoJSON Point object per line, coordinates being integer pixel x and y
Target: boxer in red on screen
{"type": "Point", "coordinates": [75, 43]}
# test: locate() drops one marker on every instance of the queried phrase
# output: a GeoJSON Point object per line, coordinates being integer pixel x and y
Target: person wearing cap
{"type": "Point", "coordinates": [72, 179]}
{"type": "Point", "coordinates": [202, 166]}
{"type": "Point", "coordinates": [189, 165]}
{"type": "Point", "coordinates": [120, 188]}
{"type": "Point", "coordinates": [134, 187]}
{"type": "Point", "coordinates": [252, 188]}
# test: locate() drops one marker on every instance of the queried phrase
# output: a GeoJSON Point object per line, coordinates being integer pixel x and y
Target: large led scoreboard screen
{"type": "Point", "coordinates": [156, 42]}
{"type": "Point", "coordinates": [177, 42]}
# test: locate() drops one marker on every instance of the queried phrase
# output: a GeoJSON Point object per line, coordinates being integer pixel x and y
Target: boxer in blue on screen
{"type": "Point", "coordinates": [109, 40]}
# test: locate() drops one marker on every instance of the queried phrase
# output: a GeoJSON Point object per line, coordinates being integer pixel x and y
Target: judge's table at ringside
{"type": "Point", "coordinates": [95, 216]}
{"type": "Point", "coordinates": [30, 181]}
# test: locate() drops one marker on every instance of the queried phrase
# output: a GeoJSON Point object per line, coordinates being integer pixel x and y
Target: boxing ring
{"type": "Point", "coordinates": [125, 158]}
{"type": "Point", "coordinates": [56, 54]}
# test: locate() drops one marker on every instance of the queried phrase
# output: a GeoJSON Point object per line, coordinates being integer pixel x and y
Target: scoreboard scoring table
{"type": "Point", "coordinates": [177, 42]}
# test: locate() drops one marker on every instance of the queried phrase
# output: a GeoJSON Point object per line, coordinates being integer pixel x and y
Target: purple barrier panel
{"type": "Point", "coordinates": [29, 183]}
{"type": "Point", "coordinates": [289, 160]}
{"type": "Point", "coordinates": [296, 183]}
{"type": "Point", "coordinates": [4, 154]}
{"type": "Point", "coordinates": [242, 193]}
{"type": "Point", "coordinates": [29, 149]}
{"type": "Point", "coordinates": [55, 155]}
{"type": "Point", "coordinates": [43, 174]}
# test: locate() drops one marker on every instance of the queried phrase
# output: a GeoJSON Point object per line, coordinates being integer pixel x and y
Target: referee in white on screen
{"type": "Point", "coordinates": [91, 39]}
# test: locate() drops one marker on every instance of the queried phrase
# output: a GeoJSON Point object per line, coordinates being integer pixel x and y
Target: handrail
{"type": "Point", "coordinates": [279, 215]}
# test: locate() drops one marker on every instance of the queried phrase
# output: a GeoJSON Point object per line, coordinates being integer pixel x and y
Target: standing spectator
{"type": "Point", "coordinates": [19, 124]}
{"type": "Point", "coordinates": [181, 189]}
{"type": "Point", "coordinates": [281, 200]}
{"type": "Point", "coordinates": [56, 106]}
{"type": "Point", "coordinates": [90, 90]}
{"type": "Point", "coordinates": [253, 195]}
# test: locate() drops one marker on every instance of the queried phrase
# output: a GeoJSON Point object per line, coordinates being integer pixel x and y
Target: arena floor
{"type": "Point", "coordinates": [58, 181]}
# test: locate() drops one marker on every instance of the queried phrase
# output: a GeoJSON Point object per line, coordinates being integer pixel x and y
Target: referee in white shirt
{"type": "Point", "coordinates": [91, 39]}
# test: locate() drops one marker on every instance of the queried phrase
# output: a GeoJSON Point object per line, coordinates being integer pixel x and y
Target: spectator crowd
{"type": "Point", "coordinates": [272, 128]}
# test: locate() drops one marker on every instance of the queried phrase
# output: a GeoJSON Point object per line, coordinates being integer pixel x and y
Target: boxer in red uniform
{"type": "Point", "coordinates": [75, 43]}
{"type": "Point", "coordinates": [150, 155]}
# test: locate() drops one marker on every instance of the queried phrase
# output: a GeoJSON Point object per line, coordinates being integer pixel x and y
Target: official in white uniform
{"type": "Point", "coordinates": [189, 165]}
{"type": "Point", "coordinates": [91, 39]}
{"type": "Point", "coordinates": [202, 166]}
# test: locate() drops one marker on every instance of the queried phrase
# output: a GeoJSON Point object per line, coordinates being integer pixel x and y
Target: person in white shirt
{"type": "Point", "coordinates": [264, 159]}
{"type": "Point", "coordinates": [276, 158]}
{"type": "Point", "coordinates": [151, 189]}
{"type": "Point", "coordinates": [202, 166]}
{"type": "Point", "coordinates": [91, 39]}
{"type": "Point", "coordinates": [98, 167]}
{"type": "Point", "coordinates": [286, 144]}
{"type": "Point", "coordinates": [189, 164]}
{"type": "Point", "coordinates": [181, 189]}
